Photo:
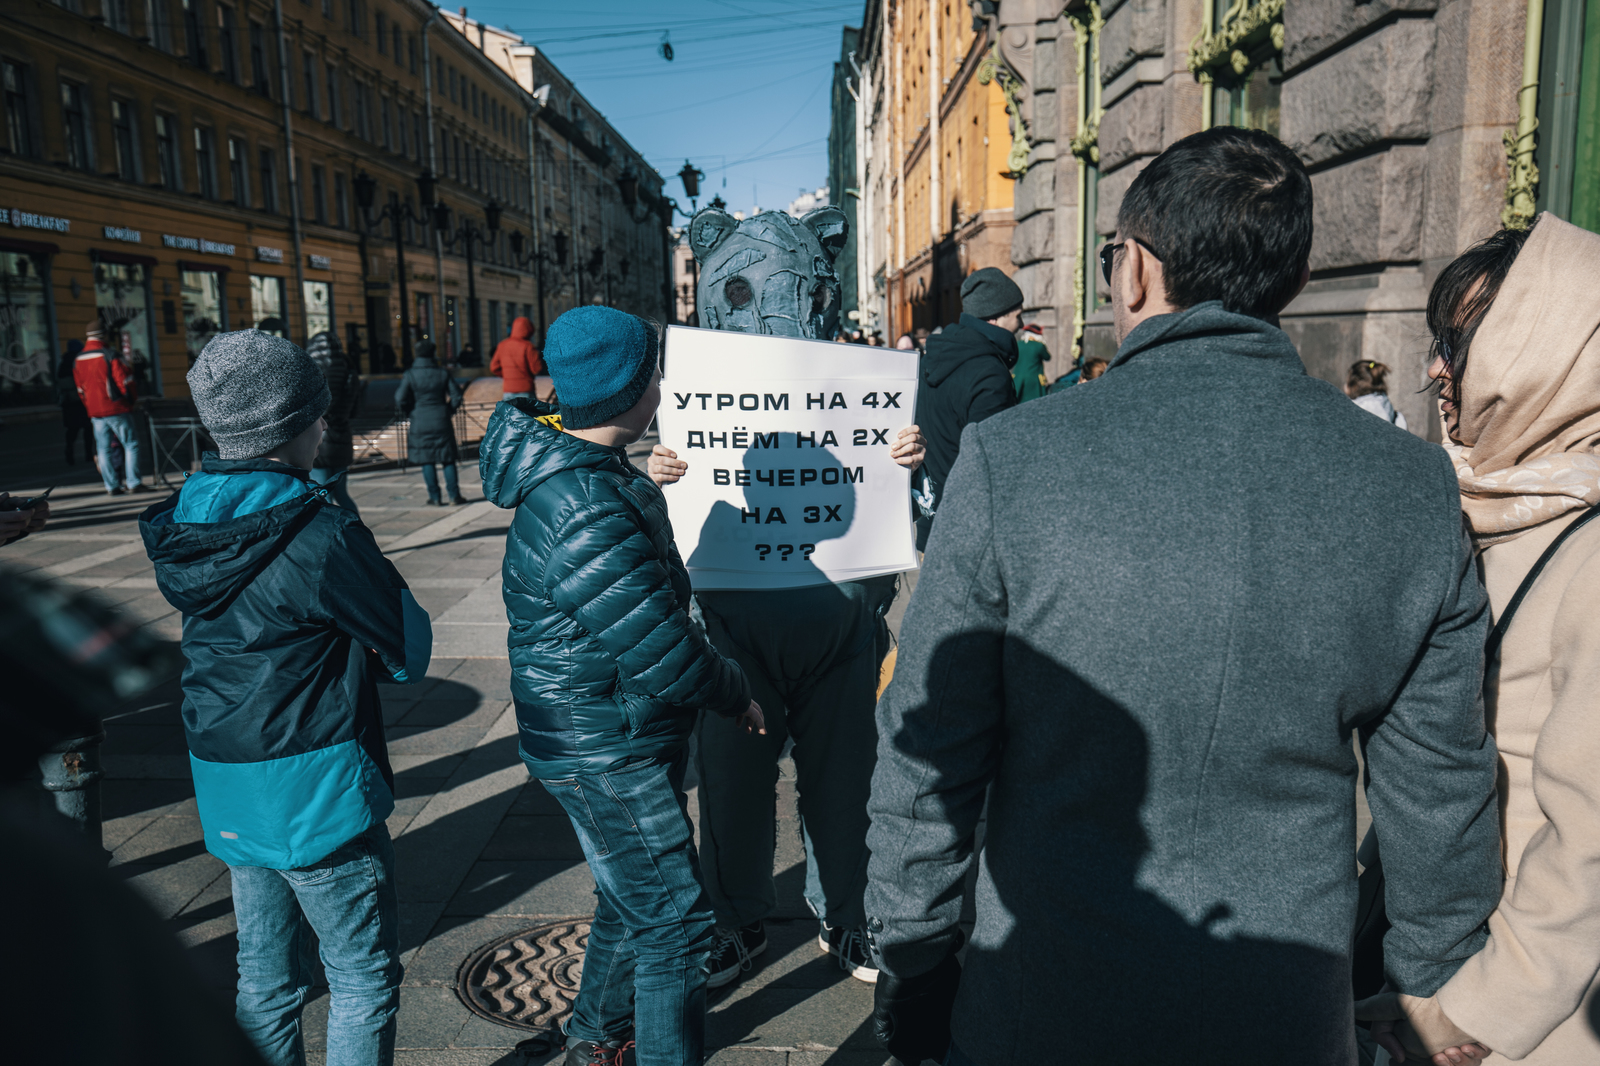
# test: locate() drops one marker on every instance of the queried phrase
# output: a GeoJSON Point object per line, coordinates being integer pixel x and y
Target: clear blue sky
{"type": "Point", "coordinates": [745, 98]}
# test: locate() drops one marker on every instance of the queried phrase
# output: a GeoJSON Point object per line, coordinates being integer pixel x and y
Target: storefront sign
{"type": "Point", "coordinates": [122, 233]}
{"type": "Point", "coordinates": [29, 220]}
{"type": "Point", "coordinates": [790, 482]}
{"type": "Point", "coordinates": [269, 255]}
{"type": "Point", "coordinates": [320, 262]}
{"type": "Point", "coordinates": [196, 244]}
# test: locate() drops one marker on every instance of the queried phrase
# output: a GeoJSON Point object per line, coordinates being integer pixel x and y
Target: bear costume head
{"type": "Point", "coordinates": [770, 273]}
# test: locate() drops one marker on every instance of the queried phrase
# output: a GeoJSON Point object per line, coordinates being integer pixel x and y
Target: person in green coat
{"type": "Point", "coordinates": [1028, 376]}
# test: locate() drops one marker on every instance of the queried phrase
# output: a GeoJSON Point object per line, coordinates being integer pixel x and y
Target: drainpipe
{"type": "Point", "coordinates": [294, 178]}
{"type": "Point", "coordinates": [935, 92]}
{"type": "Point", "coordinates": [863, 204]}
{"type": "Point", "coordinates": [433, 166]}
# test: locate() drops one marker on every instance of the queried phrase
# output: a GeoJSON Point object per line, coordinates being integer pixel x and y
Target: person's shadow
{"type": "Point", "coordinates": [1068, 939]}
{"type": "Point", "coordinates": [793, 502]}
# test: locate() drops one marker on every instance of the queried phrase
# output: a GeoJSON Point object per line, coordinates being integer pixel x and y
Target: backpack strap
{"type": "Point", "coordinates": [1492, 646]}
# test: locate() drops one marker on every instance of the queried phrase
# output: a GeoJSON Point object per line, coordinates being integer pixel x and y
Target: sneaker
{"type": "Point", "coordinates": [139, 486]}
{"type": "Point", "coordinates": [849, 946]}
{"type": "Point", "coordinates": [118, 491]}
{"type": "Point", "coordinates": [435, 503]}
{"type": "Point", "coordinates": [731, 955]}
{"type": "Point", "coordinates": [588, 1053]}
{"type": "Point", "coordinates": [458, 501]}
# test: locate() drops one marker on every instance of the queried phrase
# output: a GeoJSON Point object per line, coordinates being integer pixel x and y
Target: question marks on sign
{"type": "Point", "coordinates": [787, 550]}
{"type": "Point", "coordinates": [806, 550]}
{"type": "Point", "coordinates": [765, 550]}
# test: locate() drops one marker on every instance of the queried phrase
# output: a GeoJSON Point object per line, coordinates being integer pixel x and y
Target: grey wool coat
{"type": "Point", "coordinates": [430, 395]}
{"type": "Point", "coordinates": [1149, 648]}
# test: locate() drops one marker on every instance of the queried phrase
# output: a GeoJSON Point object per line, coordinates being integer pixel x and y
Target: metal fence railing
{"type": "Point", "coordinates": [379, 440]}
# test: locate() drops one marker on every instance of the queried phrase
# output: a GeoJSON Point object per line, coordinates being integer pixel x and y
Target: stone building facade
{"type": "Point", "coordinates": [933, 155]}
{"type": "Point", "coordinates": [176, 168]}
{"type": "Point", "coordinates": [1426, 125]}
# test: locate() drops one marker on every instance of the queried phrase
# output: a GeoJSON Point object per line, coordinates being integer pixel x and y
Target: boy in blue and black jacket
{"type": "Point", "coordinates": [290, 613]}
{"type": "Point", "coordinates": [608, 673]}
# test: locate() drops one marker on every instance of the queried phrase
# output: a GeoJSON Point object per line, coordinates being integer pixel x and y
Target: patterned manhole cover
{"type": "Point", "coordinates": [527, 980]}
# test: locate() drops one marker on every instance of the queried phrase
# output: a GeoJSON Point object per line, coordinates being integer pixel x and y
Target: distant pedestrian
{"type": "Point", "coordinates": [1154, 620]}
{"type": "Point", "coordinates": [1516, 340]}
{"type": "Point", "coordinates": [906, 343]}
{"type": "Point", "coordinates": [1367, 384]}
{"type": "Point", "coordinates": [291, 618]}
{"type": "Point", "coordinates": [1028, 374]}
{"type": "Point", "coordinates": [517, 361]}
{"type": "Point", "coordinates": [110, 393]}
{"type": "Point", "coordinates": [1093, 368]}
{"type": "Point", "coordinates": [608, 672]}
{"type": "Point", "coordinates": [74, 415]}
{"type": "Point", "coordinates": [920, 337]}
{"type": "Point", "coordinates": [332, 466]}
{"type": "Point", "coordinates": [965, 378]}
{"type": "Point", "coordinates": [430, 395]}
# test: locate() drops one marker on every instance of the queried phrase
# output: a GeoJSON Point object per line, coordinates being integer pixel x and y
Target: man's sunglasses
{"type": "Point", "coordinates": [1108, 252]}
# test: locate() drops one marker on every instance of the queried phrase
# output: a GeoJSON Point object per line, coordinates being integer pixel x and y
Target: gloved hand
{"type": "Point", "coordinates": [911, 1015]}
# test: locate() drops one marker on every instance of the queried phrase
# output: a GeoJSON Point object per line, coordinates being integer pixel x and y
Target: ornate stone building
{"type": "Point", "coordinates": [1425, 123]}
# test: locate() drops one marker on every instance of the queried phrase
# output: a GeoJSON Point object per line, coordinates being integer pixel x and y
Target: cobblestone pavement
{"type": "Point", "coordinates": [482, 850]}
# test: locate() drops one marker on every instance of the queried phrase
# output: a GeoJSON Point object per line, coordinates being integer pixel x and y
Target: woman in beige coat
{"type": "Point", "coordinates": [1518, 339]}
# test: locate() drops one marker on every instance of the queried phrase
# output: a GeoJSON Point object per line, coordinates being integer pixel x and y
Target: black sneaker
{"type": "Point", "coordinates": [139, 486]}
{"type": "Point", "coordinates": [588, 1053]}
{"type": "Point", "coordinates": [849, 946]}
{"type": "Point", "coordinates": [731, 955]}
{"type": "Point", "coordinates": [118, 491]}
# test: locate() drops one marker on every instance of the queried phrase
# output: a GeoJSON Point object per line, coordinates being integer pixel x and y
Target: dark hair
{"type": "Point", "coordinates": [1228, 213]}
{"type": "Point", "coordinates": [1461, 296]}
{"type": "Point", "coordinates": [1093, 368]}
{"type": "Point", "coordinates": [1366, 376]}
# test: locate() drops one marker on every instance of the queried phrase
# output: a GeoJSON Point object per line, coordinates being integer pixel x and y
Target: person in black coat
{"type": "Point", "coordinates": [338, 442]}
{"type": "Point", "coordinates": [430, 396]}
{"type": "Point", "coordinates": [965, 378]}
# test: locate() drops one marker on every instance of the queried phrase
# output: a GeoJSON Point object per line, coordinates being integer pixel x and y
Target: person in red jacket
{"type": "Point", "coordinates": [517, 361]}
{"type": "Point", "coordinates": [109, 391]}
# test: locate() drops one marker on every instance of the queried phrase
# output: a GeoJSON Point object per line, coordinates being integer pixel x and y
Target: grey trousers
{"type": "Point", "coordinates": [812, 657]}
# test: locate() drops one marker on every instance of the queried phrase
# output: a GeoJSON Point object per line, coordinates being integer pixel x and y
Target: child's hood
{"type": "Point", "coordinates": [214, 536]}
{"type": "Point", "coordinates": [524, 446]}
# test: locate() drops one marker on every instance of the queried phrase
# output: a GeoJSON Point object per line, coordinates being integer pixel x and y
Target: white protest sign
{"type": "Point", "coordinates": [790, 482]}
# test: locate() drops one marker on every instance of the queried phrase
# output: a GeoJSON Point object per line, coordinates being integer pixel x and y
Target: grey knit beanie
{"type": "Point", "coordinates": [988, 293]}
{"type": "Point", "coordinates": [256, 392]}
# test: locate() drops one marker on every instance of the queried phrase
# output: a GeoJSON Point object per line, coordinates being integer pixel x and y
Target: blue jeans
{"type": "Point", "coordinates": [337, 482]}
{"type": "Point", "coordinates": [348, 899]}
{"type": "Point", "coordinates": [652, 929]}
{"type": "Point", "coordinates": [120, 427]}
{"type": "Point", "coordinates": [516, 396]}
{"type": "Point", "coordinates": [431, 479]}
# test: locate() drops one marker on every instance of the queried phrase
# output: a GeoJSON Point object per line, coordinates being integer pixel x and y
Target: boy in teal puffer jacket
{"type": "Point", "coordinates": [291, 616]}
{"type": "Point", "coordinates": [608, 672]}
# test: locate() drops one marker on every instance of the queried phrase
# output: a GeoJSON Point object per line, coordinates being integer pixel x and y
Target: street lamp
{"type": "Point", "coordinates": [540, 256]}
{"type": "Point", "coordinates": [366, 191]}
{"type": "Point", "coordinates": [691, 188]}
{"type": "Point", "coordinates": [468, 235]}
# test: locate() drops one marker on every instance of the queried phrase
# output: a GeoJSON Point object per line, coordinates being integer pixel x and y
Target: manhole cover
{"type": "Point", "coordinates": [527, 980]}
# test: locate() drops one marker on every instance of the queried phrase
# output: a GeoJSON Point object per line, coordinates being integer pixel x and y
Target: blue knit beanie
{"type": "Point", "coordinates": [602, 360]}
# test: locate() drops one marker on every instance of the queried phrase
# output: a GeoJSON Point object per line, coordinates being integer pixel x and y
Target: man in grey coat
{"type": "Point", "coordinates": [1149, 650]}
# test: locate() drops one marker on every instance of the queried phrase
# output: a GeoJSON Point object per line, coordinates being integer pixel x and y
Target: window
{"type": "Point", "coordinates": [267, 310]}
{"type": "Point", "coordinates": [319, 195]}
{"type": "Point", "coordinates": [327, 9]}
{"type": "Point", "coordinates": [417, 139]}
{"type": "Point", "coordinates": [318, 307]}
{"type": "Point", "coordinates": [398, 59]}
{"type": "Point", "coordinates": [356, 17]}
{"type": "Point", "coordinates": [205, 312]}
{"type": "Point", "coordinates": [194, 34]}
{"type": "Point", "coordinates": [438, 74]}
{"type": "Point", "coordinates": [260, 78]}
{"type": "Point", "coordinates": [1567, 151]}
{"type": "Point", "coordinates": [19, 118]}
{"type": "Point", "coordinates": [309, 70]}
{"type": "Point", "coordinates": [122, 304]}
{"type": "Point", "coordinates": [158, 23]}
{"type": "Point", "coordinates": [382, 33]}
{"type": "Point", "coordinates": [122, 129]}
{"type": "Point", "coordinates": [401, 129]}
{"type": "Point", "coordinates": [225, 43]}
{"type": "Point", "coordinates": [361, 101]}
{"type": "Point", "coordinates": [75, 117]}
{"type": "Point", "coordinates": [116, 14]}
{"type": "Point", "coordinates": [472, 97]}
{"type": "Point", "coordinates": [239, 170]}
{"type": "Point", "coordinates": [341, 201]}
{"type": "Point", "coordinates": [167, 152]}
{"type": "Point", "coordinates": [205, 161]}
{"type": "Point", "coordinates": [331, 81]}
{"type": "Point", "coordinates": [455, 86]}
{"type": "Point", "coordinates": [386, 126]}
{"type": "Point", "coordinates": [267, 172]}
{"type": "Point", "coordinates": [25, 317]}
{"type": "Point", "coordinates": [411, 47]}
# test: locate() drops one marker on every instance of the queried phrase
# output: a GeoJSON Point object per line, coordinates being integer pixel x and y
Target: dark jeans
{"type": "Point", "coordinates": [348, 899]}
{"type": "Point", "coordinates": [652, 929]}
{"type": "Point", "coordinates": [431, 479]}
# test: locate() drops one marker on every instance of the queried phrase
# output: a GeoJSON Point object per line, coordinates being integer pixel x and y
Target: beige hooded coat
{"type": "Point", "coordinates": [1530, 426]}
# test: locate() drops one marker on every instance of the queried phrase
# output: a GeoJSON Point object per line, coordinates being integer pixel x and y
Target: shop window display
{"type": "Point", "coordinates": [319, 308]}
{"type": "Point", "coordinates": [25, 315]}
{"type": "Point", "coordinates": [122, 300]}
{"type": "Point", "coordinates": [266, 305]}
{"type": "Point", "coordinates": [205, 314]}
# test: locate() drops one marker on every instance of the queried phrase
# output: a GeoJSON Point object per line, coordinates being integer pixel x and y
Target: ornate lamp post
{"type": "Point", "coordinates": [691, 188]}
{"type": "Point", "coordinates": [539, 256]}
{"type": "Point", "coordinates": [468, 235]}
{"type": "Point", "coordinates": [396, 212]}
